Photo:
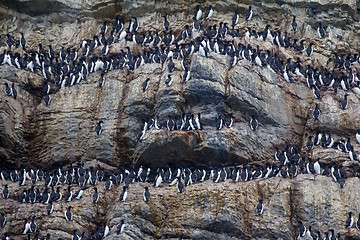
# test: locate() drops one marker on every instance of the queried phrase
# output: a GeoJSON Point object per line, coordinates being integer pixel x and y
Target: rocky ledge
{"type": "Point", "coordinates": [32, 133]}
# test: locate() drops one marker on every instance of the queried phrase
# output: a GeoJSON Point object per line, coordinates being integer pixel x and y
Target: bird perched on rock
{"type": "Point", "coordinates": [98, 127]}
{"type": "Point", "coordinates": [260, 207]}
{"type": "Point", "coordinates": [309, 144]}
{"type": "Point", "coordinates": [302, 230]}
{"type": "Point", "coordinates": [121, 227]}
{"type": "Point", "coordinates": [166, 23]}
{"type": "Point", "coordinates": [145, 84]}
{"type": "Point", "coordinates": [33, 225]}
{"type": "Point", "coordinates": [22, 41]}
{"type": "Point", "coordinates": [350, 221]}
{"type": "Point", "coordinates": [235, 18]}
{"type": "Point", "coordinates": [2, 219]}
{"type": "Point", "coordinates": [101, 80]}
{"type": "Point", "coordinates": [8, 90]}
{"type": "Point", "coordinates": [209, 13]}
{"type": "Point", "coordinates": [253, 123]}
{"type": "Point", "coordinates": [309, 50]}
{"type": "Point", "coordinates": [14, 92]}
{"type": "Point", "coordinates": [146, 194]}
{"type": "Point", "coordinates": [321, 31]}
{"type": "Point", "coordinates": [68, 214]}
{"type": "Point", "coordinates": [249, 14]}
{"type": "Point", "coordinates": [123, 194]}
{"type": "Point", "coordinates": [68, 194]}
{"type": "Point", "coordinates": [50, 208]}
{"type": "Point", "coordinates": [95, 196]}
{"type": "Point", "coordinates": [357, 224]}
{"type": "Point", "coordinates": [198, 13]}
{"type": "Point", "coordinates": [294, 24]}
{"type": "Point", "coordinates": [47, 99]}
{"type": "Point", "coordinates": [168, 81]}
{"type": "Point", "coordinates": [344, 102]}
{"type": "Point", "coordinates": [229, 120]}
{"type": "Point", "coordinates": [316, 112]}
{"type": "Point", "coordinates": [180, 185]}
{"type": "Point", "coordinates": [219, 123]}
{"type": "Point", "coordinates": [75, 236]}
{"type": "Point", "coordinates": [26, 226]}
{"type": "Point", "coordinates": [78, 194]}
{"type": "Point", "coordinates": [6, 192]}
{"type": "Point", "coordinates": [106, 230]}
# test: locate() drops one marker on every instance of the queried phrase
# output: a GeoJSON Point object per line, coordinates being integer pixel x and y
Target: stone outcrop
{"type": "Point", "coordinates": [64, 132]}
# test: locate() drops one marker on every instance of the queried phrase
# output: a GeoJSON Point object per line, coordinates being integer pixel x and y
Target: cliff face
{"type": "Point", "coordinates": [64, 131]}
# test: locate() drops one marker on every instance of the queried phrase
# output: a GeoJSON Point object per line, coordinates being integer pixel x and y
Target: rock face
{"type": "Point", "coordinates": [64, 132]}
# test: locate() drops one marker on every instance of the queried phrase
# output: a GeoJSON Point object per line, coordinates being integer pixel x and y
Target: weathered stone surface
{"type": "Point", "coordinates": [204, 211]}
{"type": "Point", "coordinates": [64, 132]}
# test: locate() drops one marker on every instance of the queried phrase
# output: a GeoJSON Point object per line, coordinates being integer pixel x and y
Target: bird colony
{"type": "Point", "coordinates": [61, 186]}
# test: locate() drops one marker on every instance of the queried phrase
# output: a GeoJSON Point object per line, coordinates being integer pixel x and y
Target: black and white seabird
{"type": "Point", "coordinates": [68, 214]}
{"type": "Point", "coordinates": [75, 236]}
{"type": "Point", "coordinates": [332, 235]}
{"type": "Point", "coordinates": [157, 123]}
{"type": "Point", "coordinates": [249, 14]}
{"type": "Point", "coordinates": [317, 167]}
{"type": "Point", "coordinates": [33, 225]}
{"type": "Point", "coordinates": [123, 194]}
{"type": "Point", "coordinates": [8, 90]}
{"type": "Point", "coordinates": [146, 194]}
{"type": "Point", "coordinates": [344, 102]}
{"type": "Point", "coordinates": [47, 99]}
{"type": "Point", "coordinates": [180, 185]}
{"type": "Point", "coordinates": [357, 225]}
{"type": "Point", "coordinates": [309, 234]}
{"type": "Point", "coordinates": [253, 123]}
{"type": "Point", "coordinates": [302, 230]}
{"type": "Point", "coordinates": [350, 221]}
{"type": "Point", "coordinates": [22, 41]}
{"type": "Point", "coordinates": [309, 144]}
{"type": "Point", "coordinates": [5, 192]}
{"type": "Point", "coordinates": [68, 194]}
{"type": "Point", "coordinates": [228, 121]}
{"type": "Point", "coordinates": [103, 28]}
{"type": "Point", "coordinates": [14, 92]}
{"type": "Point", "coordinates": [166, 24]}
{"type": "Point", "coordinates": [171, 65]}
{"type": "Point", "coordinates": [219, 123]}
{"type": "Point", "coordinates": [26, 226]}
{"type": "Point", "coordinates": [186, 77]}
{"type": "Point", "coordinates": [198, 123]}
{"type": "Point", "coordinates": [168, 81]}
{"type": "Point", "coordinates": [294, 24]}
{"type": "Point", "coordinates": [50, 208]}
{"type": "Point", "coordinates": [2, 219]}
{"type": "Point", "coordinates": [145, 84]}
{"type": "Point", "coordinates": [98, 127]}
{"type": "Point", "coordinates": [198, 13]}
{"type": "Point", "coordinates": [357, 136]}
{"type": "Point", "coordinates": [121, 227]}
{"type": "Point", "coordinates": [321, 31]}
{"type": "Point", "coordinates": [235, 18]}
{"type": "Point", "coordinates": [106, 230]}
{"type": "Point", "coordinates": [209, 13]}
{"type": "Point", "coordinates": [260, 207]}
{"type": "Point", "coordinates": [95, 196]}
{"type": "Point", "coordinates": [309, 50]}
{"type": "Point", "coordinates": [170, 124]}
{"type": "Point", "coordinates": [78, 194]}
{"type": "Point", "coordinates": [316, 112]}
{"type": "Point", "coordinates": [101, 80]}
